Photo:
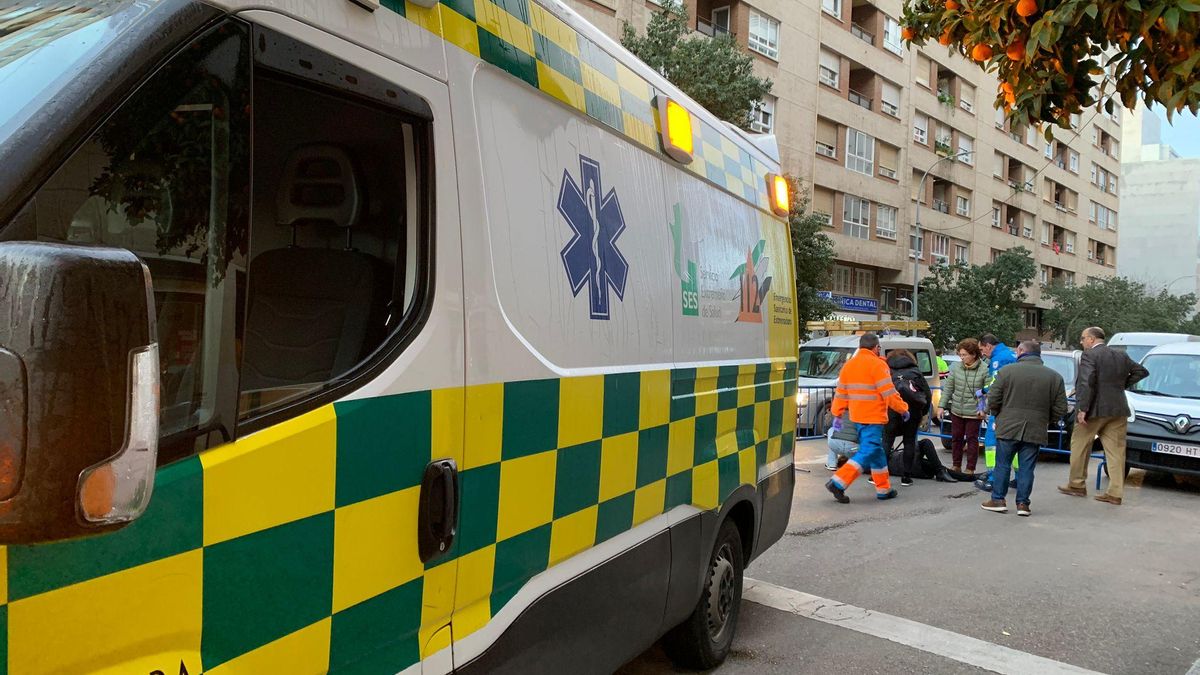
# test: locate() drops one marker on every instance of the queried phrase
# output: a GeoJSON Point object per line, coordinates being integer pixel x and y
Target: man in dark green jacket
{"type": "Point", "coordinates": [1024, 398]}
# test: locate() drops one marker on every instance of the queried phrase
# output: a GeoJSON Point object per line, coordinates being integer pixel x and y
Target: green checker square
{"type": "Point", "coordinates": [728, 475]}
{"type": "Point", "coordinates": [789, 386]}
{"type": "Point", "coordinates": [379, 635]}
{"type": "Point", "coordinates": [507, 57]}
{"type": "Point", "coordinates": [705, 449]}
{"type": "Point", "coordinates": [480, 500]}
{"type": "Point", "coordinates": [4, 640]}
{"type": "Point", "coordinates": [760, 453]}
{"type": "Point", "coordinates": [679, 490]}
{"type": "Point", "coordinates": [683, 393]}
{"type": "Point", "coordinates": [789, 442]}
{"type": "Point", "coordinates": [789, 370]}
{"type": "Point", "coordinates": [396, 6]}
{"type": "Point", "coordinates": [577, 478]}
{"type": "Point", "coordinates": [622, 403]}
{"type": "Point", "coordinates": [171, 525]}
{"type": "Point", "coordinates": [603, 111]}
{"type": "Point", "coordinates": [518, 8]}
{"type": "Point", "coordinates": [775, 422]}
{"type": "Point", "coordinates": [556, 57]}
{"type": "Point", "coordinates": [652, 454]}
{"type": "Point", "coordinates": [263, 586]}
{"type": "Point", "coordinates": [464, 7]}
{"type": "Point", "coordinates": [745, 426]}
{"type": "Point", "coordinates": [762, 383]}
{"type": "Point", "coordinates": [727, 382]}
{"type": "Point", "coordinates": [532, 409]}
{"type": "Point", "coordinates": [517, 560]}
{"type": "Point", "coordinates": [383, 445]}
{"type": "Point", "coordinates": [615, 516]}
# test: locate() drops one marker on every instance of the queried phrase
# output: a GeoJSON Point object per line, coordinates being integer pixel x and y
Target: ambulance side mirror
{"type": "Point", "coordinates": [78, 390]}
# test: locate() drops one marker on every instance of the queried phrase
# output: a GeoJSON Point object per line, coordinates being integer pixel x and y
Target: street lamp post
{"type": "Point", "coordinates": [916, 256]}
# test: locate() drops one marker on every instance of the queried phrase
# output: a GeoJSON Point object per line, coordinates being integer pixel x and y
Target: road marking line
{"type": "Point", "coordinates": [961, 648]}
{"type": "Point", "coordinates": [1195, 669]}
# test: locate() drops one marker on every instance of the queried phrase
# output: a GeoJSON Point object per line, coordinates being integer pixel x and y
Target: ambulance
{"type": "Point", "coordinates": [376, 337]}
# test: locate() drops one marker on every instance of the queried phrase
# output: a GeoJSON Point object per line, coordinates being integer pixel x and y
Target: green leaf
{"type": "Point", "coordinates": [1189, 6]}
{"type": "Point", "coordinates": [1091, 10]}
{"type": "Point", "coordinates": [758, 249]}
{"type": "Point", "coordinates": [1108, 106]}
{"type": "Point", "coordinates": [1171, 17]}
{"type": "Point", "coordinates": [738, 271]}
{"type": "Point", "coordinates": [1133, 5]}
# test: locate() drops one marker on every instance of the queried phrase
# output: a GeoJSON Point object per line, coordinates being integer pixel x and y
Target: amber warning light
{"type": "Point", "coordinates": [777, 190]}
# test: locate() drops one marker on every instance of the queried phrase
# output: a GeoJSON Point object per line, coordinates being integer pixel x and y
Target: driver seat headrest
{"type": "Point", "coordinates": [319, 185]}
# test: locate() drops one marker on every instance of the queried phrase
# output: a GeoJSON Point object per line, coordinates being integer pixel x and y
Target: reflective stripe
{"type": "Point", "coordinates": [868, 387]}
{"type": "Point", "coordinates": [886, 380]}
{"type": "Point", "coordinates": [888, 392]}
{"type": "Point", "coordinates": [861, 397]}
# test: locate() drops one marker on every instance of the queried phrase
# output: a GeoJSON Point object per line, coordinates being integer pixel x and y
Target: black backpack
{"type": "Point", "coordinates": [912, 394]}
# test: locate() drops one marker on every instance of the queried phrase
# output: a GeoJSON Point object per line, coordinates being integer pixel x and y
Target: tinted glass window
{"type": "Point", "coordinates": [1172, 375]}
{"type": "Point", "coordinates": [823, 363]}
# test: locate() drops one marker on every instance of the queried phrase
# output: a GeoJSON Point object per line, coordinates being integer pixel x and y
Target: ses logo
{"type": "Point", "coordinates": [591, 258]}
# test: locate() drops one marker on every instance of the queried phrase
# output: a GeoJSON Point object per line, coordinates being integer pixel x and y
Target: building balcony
{"type": "Point", "coordinates": [860, 99]}
{"type": "Point", "coordinates": [862, 34]}
{"type": "Point", "coordinates": [711, 29]}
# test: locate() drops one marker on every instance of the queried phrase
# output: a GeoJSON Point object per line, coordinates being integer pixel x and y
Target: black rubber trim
{"type": "Point", "coordinates": [775, 495]}
{"type": "Point", "coordinates": [593, 623]}
{"type": "Point", "coordinates": [36, 150]}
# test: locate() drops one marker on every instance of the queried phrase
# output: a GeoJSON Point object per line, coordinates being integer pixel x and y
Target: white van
{"type": "Point", "coordinates": [1164, 422]}
{"type": "Point", "coordinates": [377, 336]}
{"type": "Point", "coordinates": [1137, 345]}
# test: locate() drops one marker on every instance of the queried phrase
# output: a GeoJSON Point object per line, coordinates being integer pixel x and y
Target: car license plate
{"type": "Point", "coordinates": [1176, 449]}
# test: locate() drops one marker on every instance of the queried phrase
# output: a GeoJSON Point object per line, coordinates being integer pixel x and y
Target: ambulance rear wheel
{"type": "Point", "coordinates": [703, 640]}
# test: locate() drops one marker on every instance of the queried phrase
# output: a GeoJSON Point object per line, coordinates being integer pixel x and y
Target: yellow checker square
{"type": "Point", "coordinates": [554, 29]}
{"type": "Point", "coordinates": [735, 185]}
{"type": "Point", "coordinates": [618, 465]}
{"type": "Point", "coordinates": [730, 150]}
{"type": "Point", "coordinates": [706, 403]}
{"type": "Point", "coordinates": [640, 131]}
{"type": "Point", "coordinates": [747, 176]}
{"type": "Point", "coordinates": [472, 597]}
{"type": "Point", "coordinates": [727, 422]}
{"type": "Point", "coordinates": [681, 446]}
{"type": "Point", "coordinates": [713, 155]}
{"type": "Point", "coordinates": [292, 653]}
{"type": "Point", "coordinates": [275, 476]}
{"type": "Point", "coordinates": [762, 420]}
{"type": "Point", "coordinates": [655, 398]}
{"type": "Point", "coordinates": [492, 18]}
{"type": "Point", "coordinates": [775, 448]}
{"type": "Point", "coordinates": [437, 604]}
{"type": "Point", "coordinates": [574, 533]}
{"type": "Point", "coordinates": [599, 84]}
{"type": "Point", "coordinates": [560, 87]}
{"type": "Point", "coordinates": [485, 424]}
{"type": "Point", "coordinates": [705, 486]}
{"type": "Point", "coordinates": [648, 501]}
{"type": "Point", "coordinates": [459, 30]}
{"type": "Point", "coordinates": [63, 631]}
{"type": "Point", "coordinates": [776, 386]}
{"type": "Point", "coordinates": [447, 423]}
{"type": "Point", "coordinates": [580, 400]}
{"type": "Point", "coordinates": [428, 18]}
{"type": "Point", "coordinates": [375, 547]}
{"type": "Point", "coordinates": [526, 494]}
{"type": "Point", "coordinates": [745, 384]}
{"type": "Point", "coordinates": [633, 83]}
{"type": "Point", "coordinates": [747, 467]}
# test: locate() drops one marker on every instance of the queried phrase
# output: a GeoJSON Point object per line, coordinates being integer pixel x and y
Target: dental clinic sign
{"type": "Point", "coordinates": [850, 303]}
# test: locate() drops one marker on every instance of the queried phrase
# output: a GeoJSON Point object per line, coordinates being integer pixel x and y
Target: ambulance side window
{"type": "Point", "coordinates": [339, 238]}
{"type": "Point", "coordinates": [167, 177]}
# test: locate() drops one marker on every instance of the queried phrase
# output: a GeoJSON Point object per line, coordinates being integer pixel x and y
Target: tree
{"type": "Point", "coordinates": [813, 252]}
{"type": "Point", "coordinates": [961, 300]}
{"type": "Point", "coordinates": [1116, 304]}
{"type": "Point", "coordinates": [1057, 57]}
{"type": "Point", "coordinates": [713, 71]}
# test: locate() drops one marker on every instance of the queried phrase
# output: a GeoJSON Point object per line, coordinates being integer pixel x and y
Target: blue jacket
{"type": "Point", "coordinates": [1002, 356]}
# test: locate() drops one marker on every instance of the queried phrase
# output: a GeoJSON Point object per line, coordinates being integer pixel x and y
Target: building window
{"type": "Point", "coordinates": [889, 99]}
{"type": "Point", "coordinates": [891, 35]}
{"type": "Point", "coordinates": [1031, 318]}
{"type": "Point", "coordinates": [1027, 231]}
{"type": "Point", "coordinates": [995, 215]}
{"type": "Point", "coordinates": [860, 152]}
{"type": "Point", "coordinates": [966, 149]}
{"type": "Point", "coordinates": [856, 217]}
{"type": "Point", "coordinates": [924, 67]}
{"type": "Point", "coordinates": [764, 35]}
{"type": "Point", "coordinates": [1070, 243]}
{"type": "Point", "coordinates": [762, 117]}
{"type": "Point", "coordinates": [842, 277]}
{"type": "Point", "coordinates": [963, 206]}
{"type": "Point", "coordinates": [1073, 161]}
{"type": "Point", "coordinates": [830, 69]}
{"type": "Point", "coordinates": [1096, 136]}
{"type": "Point", "coordinates": [1049, 150]}
{"type": "Point", "coordinates": [939, 249]}
{"type": "Point", "coordinates": [885, 221]}
{"type": "Point", "coordinates": [998, 165]}
{"type": "Point", "coordinates": [966, 97]}
{"type": "Point", "coordinates": [1000, 118]}
{"type": "Point", "coordinates": [921, 129]}
{"type": "Point", "coordinates": [1095, 174]}
{"type": "Point", "coordinates": [916, 245]}
{"type": "Point", "coordinates": [864, 283]}
{"type": "Point", "coordinates": [833, 7]}
{"type": "Point", "coordinates": [1046, 234]}
{"type": "Point", "coordinates": [827, 136]}
{"type": "Point", "coordinates": [1112, 185]}
{"type": "Point", "coordinates": [960, 253]}
{"type": "Point", "coordinates": [1045, 277]}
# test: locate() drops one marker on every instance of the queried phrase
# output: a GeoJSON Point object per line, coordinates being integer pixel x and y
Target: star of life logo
{"type": "Point", "coordinates": [591, 258]}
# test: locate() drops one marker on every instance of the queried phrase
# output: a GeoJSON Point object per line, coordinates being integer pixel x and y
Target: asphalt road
{"type": "Point", "coordinates": [1109, 589]}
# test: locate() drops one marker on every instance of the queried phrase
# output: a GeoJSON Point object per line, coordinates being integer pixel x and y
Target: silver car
{"type": "Point", "coordinates": [1164, 426]}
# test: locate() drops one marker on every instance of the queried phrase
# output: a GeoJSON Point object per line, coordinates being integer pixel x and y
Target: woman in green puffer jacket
{"type": "Point", "coordinates": [961, 397]}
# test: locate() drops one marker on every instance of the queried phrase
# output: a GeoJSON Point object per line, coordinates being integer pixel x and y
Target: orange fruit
{"type": "Point", "coordinates": [1027, 8]}
{"type": "Point", "coordinates": [951, 6]}
{"type": "Point", "coordinates": [1016, 50]}
{"type": "Point", "coordinates": [944, 39]}
{"type": "Point", "coordinates": [908, 33]}
{"type": "Point", "coordinates": [981, 53]}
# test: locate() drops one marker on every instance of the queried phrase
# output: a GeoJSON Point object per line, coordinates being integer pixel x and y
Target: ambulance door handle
{"type": "Point", "coordinates": [437, 520]}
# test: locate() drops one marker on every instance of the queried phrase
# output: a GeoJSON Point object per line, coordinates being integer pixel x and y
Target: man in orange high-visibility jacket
{"type": "Point", "coordinates": [865, 389]}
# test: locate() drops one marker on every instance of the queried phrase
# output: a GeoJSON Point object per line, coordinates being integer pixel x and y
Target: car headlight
{"type": "Point", "coordinates": [801, 398]}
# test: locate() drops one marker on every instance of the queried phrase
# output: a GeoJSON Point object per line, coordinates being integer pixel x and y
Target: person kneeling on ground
{"type": "Point", "coordinates": [927, 464]}
{"type": "Point", "coordinates": [843, 443]}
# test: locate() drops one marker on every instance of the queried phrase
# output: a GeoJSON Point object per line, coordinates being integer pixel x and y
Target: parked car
{"type": "Point", "coordinates": [1164, 425]}
{"type": "Point", "coordinates": [1137, 345]}
{"type": "Point", "coordinates": [821, 362]}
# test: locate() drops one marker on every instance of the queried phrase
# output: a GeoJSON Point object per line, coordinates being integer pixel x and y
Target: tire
{"type": "Point", "coordinates": [703, 640]}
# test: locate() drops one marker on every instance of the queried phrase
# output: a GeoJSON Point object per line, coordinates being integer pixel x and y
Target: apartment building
{"type": "Point", "coordinates": [867, 122]}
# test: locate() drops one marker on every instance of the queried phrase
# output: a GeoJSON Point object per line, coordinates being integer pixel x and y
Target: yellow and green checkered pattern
{"type": "Point", "coordinates": [530, 43]}
{"type": "Point", "coordinates": [295, 548]}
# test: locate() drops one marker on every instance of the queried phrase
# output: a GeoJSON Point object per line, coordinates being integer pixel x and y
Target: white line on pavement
{"type": "Point", "coordinates": [968, 650]}
{"type": "Point", "coordinates": [1195, 669]}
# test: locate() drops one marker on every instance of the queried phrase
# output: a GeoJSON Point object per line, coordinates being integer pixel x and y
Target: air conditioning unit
{"type": "Point", "coordinates": [826, 150]}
